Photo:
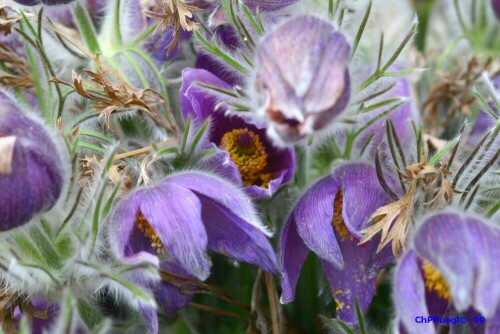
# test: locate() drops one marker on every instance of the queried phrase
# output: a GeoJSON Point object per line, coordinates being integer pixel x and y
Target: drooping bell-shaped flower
{"type": "Point", "coordinates": [302, 80]}
{"type": "Point", "coordinates": [454, 259]}
{"type": "Point", "coordinates": [244, 149]}
{"type": "Point", "coordinates": [31, 174]}
{"type": "Point", "coordinates": [327, 220]}
{"type": "Point", "coordinates": [184, 215]}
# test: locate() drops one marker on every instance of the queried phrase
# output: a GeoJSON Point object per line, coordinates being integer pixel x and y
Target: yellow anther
{"type": "Point", "coordinates": [249, 155]}
{"type": "Point", "coordinates": [149, 232]}
{"type": "Point", "coordinates": [434, 281]}
{"type": "Point", "coordinates": [337, 219]}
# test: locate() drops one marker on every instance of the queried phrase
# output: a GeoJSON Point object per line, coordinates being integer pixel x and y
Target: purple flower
{"type": "Point", "coordinates": [496, 7]}
{"type": "Point", "coordinates": [327, 220]}
{"type": "Point", "coordinates": [182, 216]}
{"type": "Point", "coordinates": [302, 78]}
{"type": "Point", "coordinates": [452, 259]}
{"type": "Point", "coordinates": [244, 149]}
{"type": "Point", "coordinates": [31, 176]}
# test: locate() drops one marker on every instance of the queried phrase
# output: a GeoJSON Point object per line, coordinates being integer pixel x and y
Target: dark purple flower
{"type": "Point", "coordinates": [244, 146]}
{"type": "Point", "coordinates": [302, 78]}
{"type": "Point", "coordinates": [182, 216]}
{"type": "Point", "coordinates": [452, 259]}
{"type": "Point", "coordinates": [496, 7]}
{"type": "Point", "coordinates": [31, 174]}
{"type": "Point", "coordinates": [327, 220]}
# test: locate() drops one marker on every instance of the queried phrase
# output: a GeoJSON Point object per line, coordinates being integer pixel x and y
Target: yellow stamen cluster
{"type": "Point", "coordinates": [149, 232]}
{"type": "Point", "coordinates": [434, 281]}
{"type": "Point", "coordinates": [249, 155]}
{"type": "Point", "coordinates": [337, 220]}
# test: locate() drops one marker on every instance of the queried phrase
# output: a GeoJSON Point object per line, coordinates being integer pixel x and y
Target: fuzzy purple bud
{"type": "Point", "coordinates": [31, 177]}
{"type": "Point", "coordinates": [302, 77]}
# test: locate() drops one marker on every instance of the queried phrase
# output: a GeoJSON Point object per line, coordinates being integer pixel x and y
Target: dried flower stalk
{"type": "Point", "coordinates": [175, 14]}
{"type": "Point", "coordinates": [111, 94]}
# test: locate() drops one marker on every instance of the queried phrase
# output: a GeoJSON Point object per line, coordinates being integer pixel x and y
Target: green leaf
{"type": "Point", "coordinates": [47, 248]}
{"type": "Point", "coordinates": [86, 28]}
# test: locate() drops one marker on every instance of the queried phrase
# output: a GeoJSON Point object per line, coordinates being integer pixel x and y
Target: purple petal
{"type": "Point", "coordinates": [409, 295]}
{"type": "Point", "coordinates": [362, 194]}
{"type": "Point", "coordinates": [268, 5]}
{"type": "Point", "coordinates": [230, 235]}
{"type": "Point", "coordinates": [496, 7]}
{"type": "Point", "coordinates": [175, 214]}
{"type": "Point", "coordinates": [227, 195]}
{"type": "Point", "coordinates": [168, 295]}
{"type": "Point", "coordinates": [293, 252]}
{"type": "Point", "coordinates": [196, 101]}
{"type": "Point", "coordinates": [126, 240]}
{"type": "Point", "coordinates": [150, 317]}
{"type": "Point", "coordinates": [313, 216]}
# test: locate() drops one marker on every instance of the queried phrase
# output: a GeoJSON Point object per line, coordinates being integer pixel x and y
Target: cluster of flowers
{"type": "Point", "coordinates": [138, 137]}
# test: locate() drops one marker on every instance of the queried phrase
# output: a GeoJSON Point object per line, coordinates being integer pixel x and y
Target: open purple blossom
{"type": "Point", "coordinates": [243, 146]}
{"type": "Point", "coordinates": [302, 78]}
{"type": "Point", "coordinates": [452, 260]}
{"type": "Point", "coordinates": [31, 176]}
{"type": "Point", "coordinates": [327, 220]}
{"type": "Point", "coordinates": [182, 216]}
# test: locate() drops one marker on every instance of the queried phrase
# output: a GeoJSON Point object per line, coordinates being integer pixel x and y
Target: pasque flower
{"type": "Point", "coordinates": [184, 215]}
{"type": "Point", "coordinates": [453, 258]}
{"type": "Point", "coordinates": [176, 221]}
{"type": "Point", "coordinates": [31, 176]}
{"type": "Point", "coordinates": [302, 79]}
{"type": "Point", "coordinates": [244, 148]}
{"type": "Point", "coordinates": [327, 220]}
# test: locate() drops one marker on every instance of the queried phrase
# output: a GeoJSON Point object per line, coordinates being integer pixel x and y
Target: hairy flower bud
{"type": "Point", "coordinates": [31, 175]}
{"type": "Point", "coordinates": [302, 77]}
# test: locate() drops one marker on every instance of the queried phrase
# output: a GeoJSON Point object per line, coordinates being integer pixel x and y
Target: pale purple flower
{"type": "Point", "coordinates": [31, 173]}
{"type": "Point", "coordinates": [327, 220]}
{"type": "Point", "coordinates": [452, 259]}
{"type": "Point", "coordinates": [245, 153]}
{"type": "Point", "coordinates": [302, 79]}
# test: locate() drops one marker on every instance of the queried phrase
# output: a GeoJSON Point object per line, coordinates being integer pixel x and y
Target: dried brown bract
{"type": "Point", "coordinates": [455, 89]}
{"type": "Point", "coordinates": [175, 14]}
{"type": "Point", "coordinates": [8, 304]}
{"type": "Point", "coordinates": [111, 93]}
{"type": "Point", "coordinates": [17, 71]}
{"type": "Point", "coordinates": [7, 22]}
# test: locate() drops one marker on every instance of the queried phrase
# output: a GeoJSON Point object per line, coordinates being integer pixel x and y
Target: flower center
{"type": "Point", "coordinates": [149, 232]}
{"type": "Point", "coordinates": [337, 220]}
{"type": "Point", "coordinates": [434, 281]}
{"type": "Point", "coordinates": [249, 155]}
